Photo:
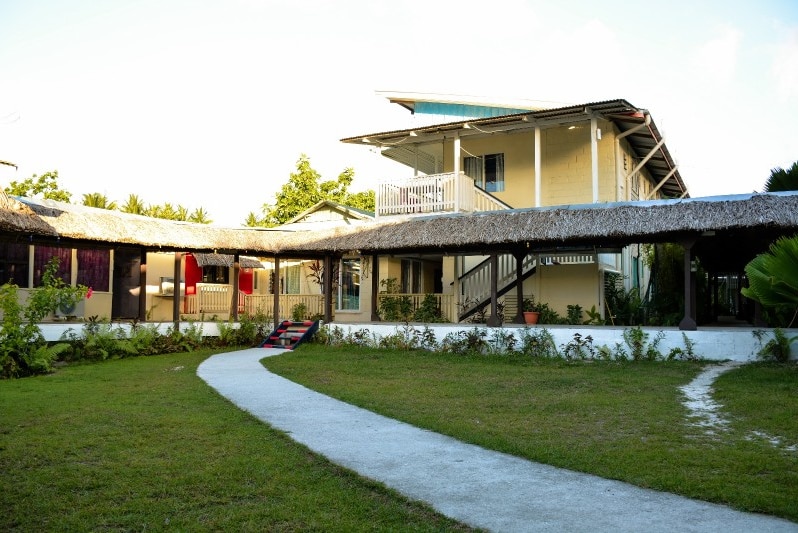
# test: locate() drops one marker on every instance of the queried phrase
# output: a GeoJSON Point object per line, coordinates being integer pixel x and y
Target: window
{"type": "Point", "coordinates": [42, 256]}
{"type": "Point", "coordinates": [14, 263]}
{"type": "Point", "coordinates": [215, 274]}
{"type": "Point", "coordinates": [94, 269]}
{"type": "Point", "coordinates": [349, 286]}
{"type": "Point", "coordinates": [487, 171]}
{"type": "Point", "coordinates": [411, 277]}
{"type": "Point", "coordinates": [293, 276]}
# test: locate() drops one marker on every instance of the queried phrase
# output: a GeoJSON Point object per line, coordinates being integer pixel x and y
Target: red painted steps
{"type": "Point", "coordinates": [289, 334]}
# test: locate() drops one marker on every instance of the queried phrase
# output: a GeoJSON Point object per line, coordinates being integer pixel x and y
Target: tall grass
{"type": "Point", "coordinates": [619, 420]}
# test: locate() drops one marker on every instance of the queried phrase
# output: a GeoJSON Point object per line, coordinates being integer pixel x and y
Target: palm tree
{"type": "Point", "coordinates": [99, 200]}
{"type": "Point", "coordinates": [134, 205]}
{"type": "Point", "coordinates": [200, 216]}
{"type": "Point", "coordinates": [783, 180]}
{"type": "Point", "coordinates": [773, 276]}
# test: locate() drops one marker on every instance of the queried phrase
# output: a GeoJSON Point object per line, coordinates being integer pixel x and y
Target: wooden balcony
{"type": "Point", "coordinates": [433, 194]}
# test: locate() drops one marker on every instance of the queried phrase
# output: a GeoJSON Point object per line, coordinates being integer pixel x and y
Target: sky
{"type": "Point", "coordinates": [209, 103]}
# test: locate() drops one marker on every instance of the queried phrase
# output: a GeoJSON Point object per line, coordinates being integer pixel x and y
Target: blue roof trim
{"type": "Point", "coordinates": [464, 110]}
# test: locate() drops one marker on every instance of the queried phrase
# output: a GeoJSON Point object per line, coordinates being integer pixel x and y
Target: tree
{"type": "Point", "coordinates": [305, 189]}
{"type": "Point", "coordinates": [44, 186]}
{"type": "Point", "coordinates": [199, 216]}
{"type": "Point", "coordinates": [134, 206]}
{"type": "Point", "coordinates": [783, 180]}
{"type": "Point", "coordinates": [773, 278]}
{"type": "Point", "coordinates": [96, 199]}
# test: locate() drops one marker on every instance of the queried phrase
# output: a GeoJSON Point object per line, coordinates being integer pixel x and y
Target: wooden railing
{"type": "Point", "coordinates": [214, 299]}
{"type": "Point", "coordinates": [445, 302]}
{"type": "Point", "coordinates": [434, 193]}
{"type": "Point", "coordinates": [475, 284]}
{"type": "Point", "coordinates": [264, 304]}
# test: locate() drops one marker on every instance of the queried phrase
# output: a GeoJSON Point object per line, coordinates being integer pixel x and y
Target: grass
{"type": "Point", "coordinates": [143, 444]}
{"type": "Point", "coordinates": [619, 420]}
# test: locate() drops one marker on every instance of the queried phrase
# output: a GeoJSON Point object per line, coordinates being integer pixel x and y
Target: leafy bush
{"type": "Point", "coordinates": [429, 312]}
{"type": "Point", "coordinates": [465, 342]}
{"type": "Point", "coordinates": [394, 308]}
{"type": "Point", "coordinates": [538, 343]}
{"type": "Point", "coordinates": [299, 312]}
{"type": "Point", "coordinates": [776, 348]}
{"type": "Point", "coordinates": [23, 350]}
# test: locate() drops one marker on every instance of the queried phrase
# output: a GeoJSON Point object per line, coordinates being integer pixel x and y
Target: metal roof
{"type": "Point", "coordinates": [621, 113]}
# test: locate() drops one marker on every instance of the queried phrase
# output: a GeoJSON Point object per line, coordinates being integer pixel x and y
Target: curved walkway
{"type": "Point", "coordinates": [479, 487]}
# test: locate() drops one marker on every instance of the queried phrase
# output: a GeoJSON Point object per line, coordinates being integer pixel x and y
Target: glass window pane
{"type": "Point", "coordinates": [349, 288]}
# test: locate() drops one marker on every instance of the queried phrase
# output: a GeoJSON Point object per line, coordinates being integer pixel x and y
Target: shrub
{"type": "Point", "coordinates": [394, 308]}
{"type": "Point", "coordinates": [23, 350]}
{"type": "Point", "coordinates": [776, 348]}
{"type": "Point", "coordinates": [538, 343]}
{"type": "Point", "coordinates": [429, 312]}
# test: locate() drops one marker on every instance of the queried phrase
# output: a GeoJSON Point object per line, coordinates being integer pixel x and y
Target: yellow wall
{"type": "Point", "coordinates": [566, 164]}
{"type": "Point", "coordinates": [564, 285]}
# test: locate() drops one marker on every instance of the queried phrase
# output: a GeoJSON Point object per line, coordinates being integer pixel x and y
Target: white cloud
{"type": "Point", "coordinates": [716, 60]}
{"type": "Point", "coordinates": [785, 68]}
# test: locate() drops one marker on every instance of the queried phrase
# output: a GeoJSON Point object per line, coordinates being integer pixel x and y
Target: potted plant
{"type": "Point", "coordinates": [530, 310]}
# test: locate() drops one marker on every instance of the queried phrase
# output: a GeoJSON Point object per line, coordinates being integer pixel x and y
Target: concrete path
{"type": "Point", "coordinates": [479, 487]}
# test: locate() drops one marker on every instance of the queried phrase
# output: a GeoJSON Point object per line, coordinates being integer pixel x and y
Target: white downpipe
{"type": "Point", "coordinates": [456, 161]}
{"type": "Point", "coordinates": [594, 158]}
{"type": "Point", "coordinates": [537, 167]}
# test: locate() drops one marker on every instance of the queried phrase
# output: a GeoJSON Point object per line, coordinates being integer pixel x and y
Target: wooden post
{"type": "Point", "coordinates": [234, 299]}
{"type": "Point", "coordinates": [688, 323]}
{"type": "Point", "coordinates": [143, 286]}
{"type": "Point", "coordinates": [276, 291]}
{"type": "Point", "coordinates": [328, 288]}
{"type": "Point", "coordinates": [519, 285]}
{"type": "Point", "coordinates": [176, 290]}
{"type": "Point", "coordinates": [493, 320]}
{"type": "Point", "coordinates": [375, 287]}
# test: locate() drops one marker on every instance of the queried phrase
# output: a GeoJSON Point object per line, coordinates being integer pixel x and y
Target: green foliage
{"type": "Point", "coordinates": [638, 342]}
{"type": "Point", "coordinates": [538, 342]}
{"type": "Point", "coordinates": [574, 314]}
{"type": "Point", "coordinates": [777, 348]}
{"type": "Point", "coordinates": [304, 190]}
{"type": "Point", "coordinates": [394, 308]}
{"type": "Point", "coordinates": [783, 180]}
{"type": "Point", "coordinates": [23, 350]}
{"type": "Point", "coordinates": [579, 348]}
{"type": "Point", "coordinates": [548, 315]}
{"type": "Point", "coordinates": [44, 186]}
{"type": "Point", "coordinates": [593, 316]}
{"type": "Point", "coordinates": [773, 277]}
{"type": "Point", "coordinates": [429, 312]}
{"type": "Point", "coordinates": [465, 342]}
{"type": "Point", "coordinates": [98, 200]}
{"type": "Point", "coordinates": [625, 306]}
{"type": "Point", "coordinates": [299, 312]}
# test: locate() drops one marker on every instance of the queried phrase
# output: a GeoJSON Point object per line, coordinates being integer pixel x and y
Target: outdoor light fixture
{"type": "Point", "coordinates": [365, 140]}
{"type": "Point", "coordinates": [466, 126]}
{"type": "Point", "coordinates": [413, 134]}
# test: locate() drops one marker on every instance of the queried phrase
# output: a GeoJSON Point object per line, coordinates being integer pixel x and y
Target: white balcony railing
{"type": "Point", "coordinates": [435, 193]}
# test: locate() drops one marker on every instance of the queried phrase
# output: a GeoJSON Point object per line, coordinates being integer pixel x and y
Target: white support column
{"type": "Point", "coordinates": [538, 202]}
{"type": "Point", "coordinates": [456, 168]}
{"type": "Point", "coordinates": [594, 158]}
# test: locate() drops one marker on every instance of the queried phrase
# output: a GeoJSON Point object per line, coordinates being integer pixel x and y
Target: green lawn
{"type": "Point", "coordinates": [144, 444]}
{"type": "Point", "coordinates": [617, 420]}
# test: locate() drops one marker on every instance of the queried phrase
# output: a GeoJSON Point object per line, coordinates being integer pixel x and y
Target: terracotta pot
{"type": "Point", "coordinates": [531, 317]}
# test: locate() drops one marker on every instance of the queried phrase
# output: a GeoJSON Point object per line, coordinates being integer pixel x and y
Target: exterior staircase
{"type": "Point", "coordinates": [475, 284]}
{"type": "Point", "coordinates": [289, 334]}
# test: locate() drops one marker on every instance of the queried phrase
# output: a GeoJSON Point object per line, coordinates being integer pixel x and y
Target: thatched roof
{"type": "Point", "coordinates": [609, 224]}
{"type": "Point", "coordinates": [742, 223]}
{"type": "Point", "coordinates": [82, 223]}
{"type": "Point", "coordinates": [226, 260]}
